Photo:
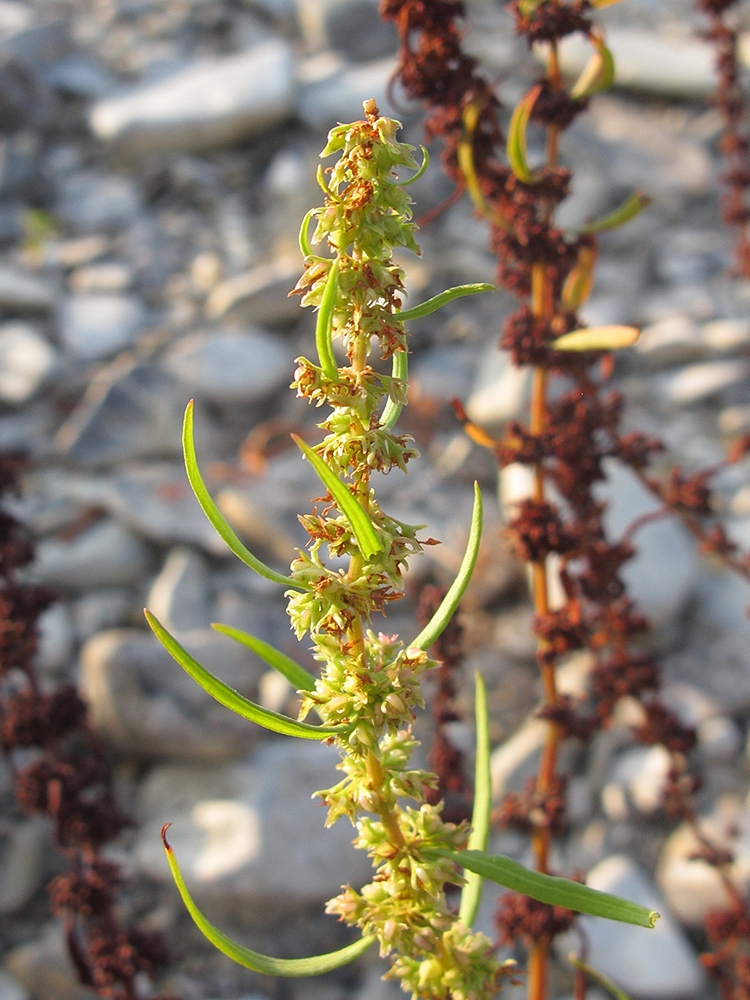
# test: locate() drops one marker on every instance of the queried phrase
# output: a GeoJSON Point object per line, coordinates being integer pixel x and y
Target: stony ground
{"type": "Point", "coordinates": [158, 157]}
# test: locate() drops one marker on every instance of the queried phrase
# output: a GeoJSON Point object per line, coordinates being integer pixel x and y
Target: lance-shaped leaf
{"type": "Point", "coordinates": [425, 308]}
{"type": "Point", "coordinates": [325, 321]}
{"type": "Point", "coordinates": [425, 162]}
{"type": "Point", "coordinates": [232, 699]}
{"type": "Point", "coordinates": [465, 157]}
{"type": "Point", "coordinates": [214, 515]}
{"type": "Point", "coordinates": [598, 977]}
{"type": "Point", "coordinates": [298, 677]}
{"type": "Point", "coordinates": [361, 525]}
{"type": "Point", "coordinates": [598, 73]}
{"type": "Point", "coordinates": [620, 215]}
{"type": "Point", "coordinates": [597, 338]}
{"type": "Point", "coordinates": [288, 967]}
{"type": "Point", "coordinates": [549, 888]}
{"type": "Point", "coordinates": [516, 146]}
{"type": "Point", "coordinates": [450, 602]}
{"type": "Point", "coordinates": [400, 370]}
{"type": "Point", "coordinates": [580, 280]}
{"type": "Point", "coordinates": [304, 242]}
{"type": "Point", "coordinates": [471, 894]}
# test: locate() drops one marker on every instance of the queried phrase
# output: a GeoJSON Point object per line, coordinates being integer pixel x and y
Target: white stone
{"type": "Point", "coordinates": [179, 596]}
{"type": "Point", "coordinates": [93, 327]}
{"type": "Point", "coordinates": [26, 361]}
{"type": "Point", "coordinates": [24, 293]}
{"type": "Point", "coordinates": [699, 382]}
{"type": "Point", "coordinates": [104, 555]}
{"type": "Point", "coordinates": [647, 964]}
{"type": "Point", "coordinates": [56, 638]}
{"type": "Point", "coordinates": [11, 989]}
{"type": "Point", "coordinates": [338, 96]}
{"type": "Point", "coordinates": [642, 772]}
{"type": "Point", "coordinates": [501, 391]}
{"type": "Point", "coordinates": [211, 103]}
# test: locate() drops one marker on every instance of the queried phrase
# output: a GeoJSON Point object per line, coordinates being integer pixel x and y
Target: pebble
{"type": "Point", "coordinates": [56, 638]}
{"type": "Point", "coordinates": [180, 596]}
{"type": "Point", "coordinates": [22, 293]}
{"type": "Point", "coordinates": [91, 201]}
{"type": "Point", "coordinates": [11, 989]}
{"type": "Point", "coordinates": [27, 360]}
{"type": "Point", "coordinates": [260, 297]}
{"type": "Point", "coordinates": [105, 555]}
{"type": "Point", "coordinates": [337, 94]}
{"type": "Point", "coordinates": [639, 776]}
{"type": "Point", "coordinates": [699, 383]}
{"type": "Point", "coordinates": [647, 964]}
{"type": "Point", "coordinates": [44, 969]}
{"type": "Point", "coordinates": [208, 104]}
{"type": "Point", "coordinates": [230, 366]}
{"type": "Point", "coordinates": [349, 26]}
{"type": "Point", "coordinates": [93, 327]}
{"type": "Point", "coordinates": [23, 850]}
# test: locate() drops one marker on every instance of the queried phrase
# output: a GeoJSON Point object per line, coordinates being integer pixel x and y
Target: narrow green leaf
{"type": "Point", "coordinates": [620, 215]}
{"type": "Point", "coordinates": [297, 676]}
{"type": "Point", "coordinates": [597, 338]}
{"type": "Point", "coordinates": [471, 894]}
{"type": "Point", "coordinates": [598, 73]}
{"type": "Point", "coordinates": [549, 888]}
{"type": "Point", "coordinates": [425, 308]}
{"type": "Point", "coordinates": [325, 320]}
{"type": "Point", "coordinates": [232, 699]}
{"type": "Point", "coordinates": [450, 602]}
{"type": "Point", "coordinates": [304, 242]}
{"type": "Point", "coordinates": [288, 967]}
{"type": "Point", "coordinates": [425, 161]}
{"type": "Point", "coordinates": [598, 977]}
{"type": "Point", "coordinates": [364, 531]}
{"type": "Point", "coordinates": [400, 370]}
{"type": "Point", "coordinates": [214, 515]}
{"type": "Point", "coordinates": [516, 147]}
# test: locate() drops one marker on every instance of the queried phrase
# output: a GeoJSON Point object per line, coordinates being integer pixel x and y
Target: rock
{"type": "Point", "coordinates": [720, 739]}
{"type": "Point", "coordinates": [104, 608]}
{"type": "Point", "coordinates": [674, 340]}
{"type": "Point", "coordinates": [664, 543]}
{"type": "Point", "coordinates": [26, 361]}
{"type": "Point", "coordinates": [444, 372]}
{"type": "Point", "coordinates": [208, 104]}
{"type": "Point", "coordinates": [259, 297]}
{"type": "Point", "coordinates": [19, 166]}
{"type": "Point", "coordinates": [130, 410]}
{"type": "Point", "coordinates": [11, 989]}
{"type": "Point", "coordinates": [90, 201]}
{"type": "Point", "coordinates": [250, 843]}
{"type": "Point", "coordinates": [501, 391]}
{"type": "Point", "coordinates": [351, 26]}
{"type": "Point", "coordinates": [23, 293]}
{"type": "Point", "coordinates": [56, 639]}
{"type": "Point", "coordinates": [230, 366]}
{"type": "Point", "coordinates": [651, 62]}
{"type": "Point", "coordinates": [24, 846]}
{"type": "Point", "coordinates": [655, 964]}
{"type": "Point", "coordinates": [106, 554]}
{"type": "Point", "coordinates": [25, 100]}
{"type": "Point", "coordinates": [112, 276]}
{"type": "Point", "coordinates": [640, 776]}
{"type": "Point", "coordinates": [336, 94]}
{"type": "Point", "coordinates": [146, 705]}
{"type": "Point", "coordinates": [179, 596]}
{"type": "Point", "coordinates": [93, 327]}
{"type": "Point", "coordinates": [700, 382]}
{"type": "Point", "coordinates": [44, 968]}
{"type": "Point", "coordinates": [79, 76]}
{"type": "Point", "coordinates": [690, 885]}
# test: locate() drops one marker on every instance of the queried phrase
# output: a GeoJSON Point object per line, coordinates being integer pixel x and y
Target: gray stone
{"type": "Point", "coordinates": [110, 276]}
{"type": "Point", "coordinates": [56, 638]}
{"type": "Point", "coordinates": [93, 327]}
{"type": "Point", "coordinates": [24, 845]}
{"type": "Point", "coordinates": [444, 372]}
{"type": "Point", "coordinates": [44, 968]}
{"type": "Point", "coordinates": [129, 411]}
{"type": "Point", "coordinates": [250, 843]}
{"type": "Point", "coordinates": [351, 26]}
{"type": "Point", "coordinates": [501, 391]}
{"type": "Point", "coordinates": [674, 340]}
{"type": "Point", "coordinates": [79, 76]}
{"type": "Point", "coordinates": [650, 61]}
{"type": "Point", "coordinates": [337, 93]}
{"type": "Point", "coordinates": [24, 293]}
{"type": "Point", "coordinates": [259, 297]}
{"type": "Point", "coordinates": [230, 366]}
{"type": "Point", "coordinates": [105, 555]}
{"type": "Point", "coordinates": [720, 739]}
{"type": "Point", "coordinates": [18, 164]}
{"type": "Point", "coordinates": [104, 608]}
{"type": "Point", "coordinates": [146, 706]}
{"type": "Point", "coordinates": [180, 595]}
{"type": "Point", "coordinates": [90, 201]}
{"type": "Point", "coordinates": [699, 383]}
{"type": "Point", "coordinates": [639, 777]}
{"type": "Point", "coordinates": [26, 361]}
{"type": "Point", "coordinates": [11, 989]}
{"type": "Point", "coordinates": [647, 964]}
{"type": "Point", "coordinates": [209, 104]}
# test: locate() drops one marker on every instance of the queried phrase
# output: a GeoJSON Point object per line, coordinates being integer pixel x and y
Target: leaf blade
{"type": "Point", "coordinates": [214, 515]}
{"type": "Point", "coordinates": [361, 525]}
{"type": "Point", "coordinates": [450, 602]}
{"type": "Point", "coordinates": [457, 292]}
{"type": "Point", "coordinates": [598, 338]}
{"type": "Point", "coordinates": [550, 888]}
{"type": "Point", "coordinates": [471, 894]}
{"type": "Point", "coordinates": [231, 699]}
{"type": "Point", "coordinates": [288, 967]}
{"type": "Point", "coordinates": [300, 678]}
{"type": "Point", "coordinates": [516, 146]}
{"type": "Point", "coordinates": [400, 370]}
{"type": "Point", "coordinates": [324, 323]}
{"type": "Point", "coordinates": [421, 170]}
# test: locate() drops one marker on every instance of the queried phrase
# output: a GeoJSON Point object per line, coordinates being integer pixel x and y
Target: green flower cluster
{"type": "Point", "coordinates": [369, 683]}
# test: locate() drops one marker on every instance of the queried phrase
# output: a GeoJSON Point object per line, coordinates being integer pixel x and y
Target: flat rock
{"type": "Point", "coordinates": [211, 103]}
{"type": "Point", "coordinates": [27, 359]}
{"type": "Point", "coordinates": [146, 705]}
{"type": "Point", "coordinates": [230, 366]}
{"type": "Point", "coordinates": [647, 964]}
{"type": "Point", "coordinates": [93, 327]}
{"type": "Point", "coordinates": [250, 843]}
{"type": "Point", "coordinates": [261, 296]}
{"type": "Point", "coordinates": [129, 411]}
{"type": "Point", "coordinates": [24, 293]}
{"type": "Point", "coordinates": [106, 554]}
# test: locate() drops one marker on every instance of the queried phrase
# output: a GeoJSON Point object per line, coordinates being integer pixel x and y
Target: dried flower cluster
{"type": "Point", "coordinates": [60, 772]}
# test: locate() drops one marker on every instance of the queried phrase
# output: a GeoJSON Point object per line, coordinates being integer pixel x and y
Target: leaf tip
{"type": "Point", "coordinates": [653, 917]}
{"type": "Point", "coordinates": [167, 846]}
